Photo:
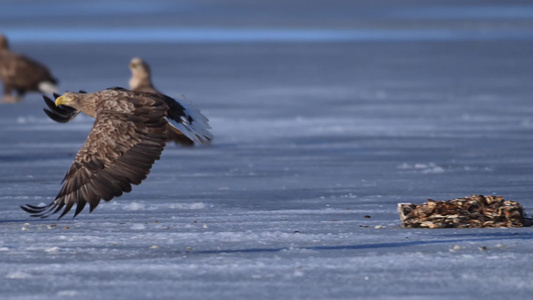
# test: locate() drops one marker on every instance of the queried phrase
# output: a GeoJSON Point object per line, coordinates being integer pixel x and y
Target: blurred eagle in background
{"type": "Point", "coordinates": [129, 134]}
{"type": "Point", "coordinates": [141, 76]}
{"type": "Point", "coordinates": [22, 74]}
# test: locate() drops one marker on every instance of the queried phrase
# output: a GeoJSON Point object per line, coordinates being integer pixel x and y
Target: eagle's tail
{"type": "Point", "coordinates": [48, 87]}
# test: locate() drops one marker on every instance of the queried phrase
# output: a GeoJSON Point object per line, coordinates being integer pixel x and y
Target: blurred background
{"type": "Point", "coordinates": [91, 31]}
{"type": "Point", "coordinates": [366, 87]}
{"type": "Point", "coordinates": [94, 37]}
{"type": "Point", "coordinates": [326, 115]}
{"type": "Point", "coordinates": [242, 47]}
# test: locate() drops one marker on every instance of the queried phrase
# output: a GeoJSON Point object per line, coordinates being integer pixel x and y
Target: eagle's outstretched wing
{"type": "Point", "coordinates": [127, 137]}
{"type": "Point", "coordinates": [60, 113]}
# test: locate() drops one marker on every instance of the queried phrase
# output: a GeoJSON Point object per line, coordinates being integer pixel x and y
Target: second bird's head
{"type": "Point", "coordinates": [137, 65]}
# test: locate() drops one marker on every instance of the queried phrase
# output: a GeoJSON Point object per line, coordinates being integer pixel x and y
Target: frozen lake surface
{"type": "Point", "coordinates": [316, 142]}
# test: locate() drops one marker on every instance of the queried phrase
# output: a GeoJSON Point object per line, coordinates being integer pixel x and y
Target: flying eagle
{"type": "Point", "coordinates": [22, 74]}
{"type": "Point", "coordinates": [128, 136]}
{"type": "Point", "coordinates": [141, 81]}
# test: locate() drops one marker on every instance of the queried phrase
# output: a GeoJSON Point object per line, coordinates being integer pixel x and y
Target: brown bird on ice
{"type": "Point", "coordinates": [141, 76]}
{"type": "Point", "coordinates": [128, 136]}
{"type": "Point", "coordinates": [141, 81]}
{"type": "Point", "coordinates": [22, 74]}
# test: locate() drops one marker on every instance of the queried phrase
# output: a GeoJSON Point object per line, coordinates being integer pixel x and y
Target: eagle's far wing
{"type": "Point", "coordinates": [61, 113]}
{"type": "Point", "coordinates": [186, 118]}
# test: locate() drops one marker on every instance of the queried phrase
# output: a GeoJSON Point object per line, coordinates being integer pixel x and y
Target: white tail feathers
{"type": "Point", "coordinates": [46, 87]}
{"type": "Point", "coordinates": [193, 124]}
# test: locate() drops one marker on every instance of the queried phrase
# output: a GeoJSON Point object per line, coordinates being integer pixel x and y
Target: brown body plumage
{"type": "Point", "coordinates": [128, 136]}
{"type": "Point", "coordinates": [22, 74]}
{"type": "Point", "coordinates": [141, 81]}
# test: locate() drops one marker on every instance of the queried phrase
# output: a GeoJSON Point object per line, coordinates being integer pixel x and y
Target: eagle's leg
{"type": "Point", "coordinates": [20, 94]}
{"type": "Point", "coordinates": [7, 95]}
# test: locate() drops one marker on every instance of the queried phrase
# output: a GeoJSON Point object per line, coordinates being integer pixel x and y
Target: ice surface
{"type": "Point", "coordinates": [315, 144]}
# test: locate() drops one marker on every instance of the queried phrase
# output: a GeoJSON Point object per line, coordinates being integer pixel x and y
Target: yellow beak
{"type": "Point", "coordinates": [61, 100]}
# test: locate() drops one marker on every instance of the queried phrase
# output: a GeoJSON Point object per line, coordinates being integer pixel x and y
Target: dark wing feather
{"type": "Point", "coordinates": [118, 88]}
{"type": "Point", "coordinates": [119, 151]}
{"type": "Point", "coordinates": [176, 136]}
{"type": "Point", "coordinates": [61, 113]}
{"type": "Point", "coordinates": [187, 120]}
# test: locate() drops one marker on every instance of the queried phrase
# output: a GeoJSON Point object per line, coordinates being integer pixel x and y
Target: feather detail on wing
{"type": "Point", "coordinates": [189, 120]}
{"type": "Point", "coordinates": [119, 151]}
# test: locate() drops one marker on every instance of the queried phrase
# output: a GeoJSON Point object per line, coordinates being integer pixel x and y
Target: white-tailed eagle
{"type": "Point", "coordinates": [128, 136]}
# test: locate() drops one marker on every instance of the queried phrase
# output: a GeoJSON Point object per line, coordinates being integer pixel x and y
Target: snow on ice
{"type": "Point", "coordinates": [315, 143]}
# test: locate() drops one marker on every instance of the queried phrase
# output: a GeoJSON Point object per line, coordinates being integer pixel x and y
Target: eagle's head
{"type": "Point", "coordinates": [68, 99]}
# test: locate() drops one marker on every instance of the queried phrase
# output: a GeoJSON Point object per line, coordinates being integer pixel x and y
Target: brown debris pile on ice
{"type": "Point", "coordinates": [469, 212]}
